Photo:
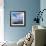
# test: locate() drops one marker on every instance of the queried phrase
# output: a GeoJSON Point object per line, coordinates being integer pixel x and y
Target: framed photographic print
{"type": "Point", "coordinates": [17, 18]}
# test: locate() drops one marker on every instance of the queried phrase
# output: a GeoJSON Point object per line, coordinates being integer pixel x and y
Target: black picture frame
{"type": "Point", "coordinates": [17, 18]}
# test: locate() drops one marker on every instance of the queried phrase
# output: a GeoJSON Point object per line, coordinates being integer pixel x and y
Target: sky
{"type": "Point", "coordinates": [17, 16]}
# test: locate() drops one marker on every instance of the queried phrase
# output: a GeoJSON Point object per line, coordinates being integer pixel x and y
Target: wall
{"type": "Point", "coordinates": [43, 6]}
{"type": "Point", "coordinates": [30, 6]}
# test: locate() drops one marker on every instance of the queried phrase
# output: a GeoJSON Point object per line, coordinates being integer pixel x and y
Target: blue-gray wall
{"type": "Point", "coordinates": [30, 6]}
{"type": "Point", "coordinates": [43, 6]}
